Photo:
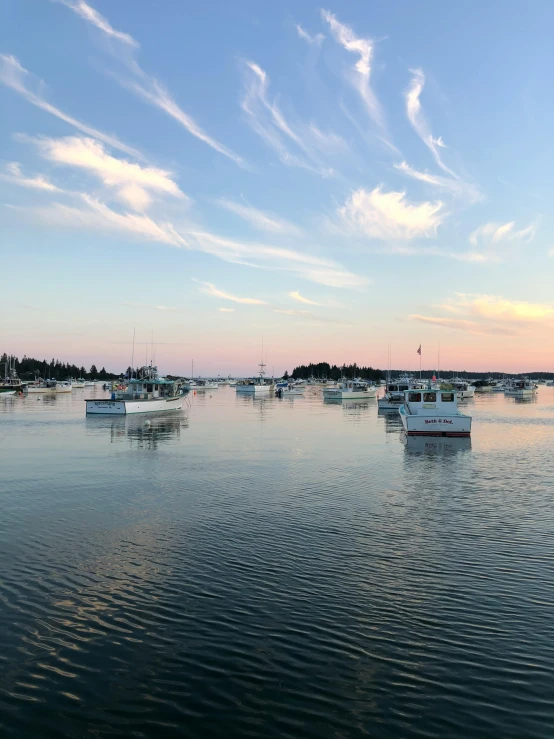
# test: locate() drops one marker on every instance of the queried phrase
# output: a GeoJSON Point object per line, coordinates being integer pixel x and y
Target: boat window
{"type": "Point", "coordinates": [403, 388]}
{"type": "Point", "coordinates": [429, 397]}
{"type": "Point", "coordinates": [414, 397]}
{"type": "Point", "coordinates": [149, 388]}
{"type": "Point", "coordinates": [447, 397]}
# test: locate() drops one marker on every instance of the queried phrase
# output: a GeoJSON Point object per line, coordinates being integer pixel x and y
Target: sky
{"type": "Point", "coordinates": [335, 182]}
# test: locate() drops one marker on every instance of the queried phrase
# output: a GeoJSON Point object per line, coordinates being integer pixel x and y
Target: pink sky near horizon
{"type": "Point", "coordinates": [239, 355]}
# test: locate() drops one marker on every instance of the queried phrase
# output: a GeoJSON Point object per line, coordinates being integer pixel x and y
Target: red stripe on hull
{"type": "Point", "coordinates": [438, 433]}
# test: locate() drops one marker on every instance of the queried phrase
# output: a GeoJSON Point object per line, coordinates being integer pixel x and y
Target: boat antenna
{"type": "Point", "coordinates": [133, 355]}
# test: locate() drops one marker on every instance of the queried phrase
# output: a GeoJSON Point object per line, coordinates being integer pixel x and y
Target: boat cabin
{"type": "Point", "coordinates": [151, 388]}
{"type": "Point", "coordinates": [431, 402]}
{"type": "Point", "coordinates": [148, 387]}
{"type": "Point", "coordinates": [355, 386]}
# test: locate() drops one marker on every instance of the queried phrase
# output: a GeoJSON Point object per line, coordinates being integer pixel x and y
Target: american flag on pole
{"type": "Point", "coordinates": [419, 350]}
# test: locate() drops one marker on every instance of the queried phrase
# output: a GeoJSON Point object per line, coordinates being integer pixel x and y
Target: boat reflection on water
{"type": "Point", "coordinates": [393, 422]}
{"type": "Point", "coordinates": [350, 405]}
{"type": "Point", "coordinates": [436, 446]}
{"type": "Point", "coordinates": [144, 433]}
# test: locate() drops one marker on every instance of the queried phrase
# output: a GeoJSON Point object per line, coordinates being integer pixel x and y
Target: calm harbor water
{"type": "Point", "coordinates": [278, 568]}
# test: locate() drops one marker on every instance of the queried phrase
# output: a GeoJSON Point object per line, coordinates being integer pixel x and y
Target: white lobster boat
{"type": "Point", "coordinates": [431, 412]}
{"type": "Point", "coordinates": [146, 394]}
{"type": "Point", "coordinates": [257, 386]}
{"type": "Point", "coordinates": [523, 388]}
{"type": "Point", "coordinates": [350, 390]}
{"type": "Point", "coordinates": [201, 385]}
{"type": "Point", "coordinates": [47, 387]}
{"type": "Point", "coordinates": [464, 389]}
{"type": "Point", "coordinates": [394, 392]}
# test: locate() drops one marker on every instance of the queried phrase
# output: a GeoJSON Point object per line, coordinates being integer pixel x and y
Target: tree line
{"type": "Point", "coordinates": [326, 371]}
{"type": "Point", "coordinates": [28, 368]}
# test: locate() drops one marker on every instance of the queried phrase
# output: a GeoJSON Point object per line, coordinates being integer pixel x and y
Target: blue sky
{"type": "Point", "coordinates": [333, 179]}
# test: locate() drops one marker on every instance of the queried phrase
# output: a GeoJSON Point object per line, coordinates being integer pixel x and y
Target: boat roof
{"type": "Point", "coordinates": [151, 381]}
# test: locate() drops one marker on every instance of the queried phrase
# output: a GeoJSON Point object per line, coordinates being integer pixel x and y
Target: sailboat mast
{"type": "Point", "coordinates": [133, 354]}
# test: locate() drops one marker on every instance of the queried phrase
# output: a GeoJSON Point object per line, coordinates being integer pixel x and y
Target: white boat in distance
{"type": "Point", "coordinates": [257, 386]}
{"type": "Point", "coordinates": [433, 412]}
{"type": "Point", "coordinates": [350, 390]}
{"type": "Point", "coordinates": [394, 392]}
{"type": "Point", "coordinates": [10, 384]}
{"type": "Point", "coordinates": [148, 393]}
{"type": "Point", "coordinates": [464, 389]}
{"type": "Point", "coordinates": [78, 383]}
{"type": "Point", "coordinates": [202, 385]}
{"type": "Point", "coordinates": [289, 391]}
{"type": "Point", "coordinates": [47, 387]}
{"type": "Point", "coordinates": [520, 388]}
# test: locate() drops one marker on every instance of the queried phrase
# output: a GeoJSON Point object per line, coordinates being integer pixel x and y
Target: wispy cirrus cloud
{"type": "Point", "coordinates": [316, 40]}
{"type": "Point", "coordinates": [91, 214]}
{"type": "Point", "coordinates": [265, 256]}
{"type": "Point", "coordinates": [94, 215]}
{"type": "Point", "coordinates": [92, 16]}
{"type": "Point", "coordinates": [133, 182]}
{"type": "Point", "coordinates": [15, 176]}
{"type": "Point", "coordinates": [389, 216]}
{"type": "Point", "coordinates": [17, 78]}
{"type": "Point", "coordinates": [360, 76]}
{"type": "Point", "coordinates": [258, 218]}
{"type": "Point", "coordinates": [301, 299]}
{"type": "Point", "coordinates": [295, 145]}
{"type": "Point", "coordinates": [209, 288]}
{"type": "Point", "coordinates": [490, 315]}
{"type": "Point", "coordinates": [145, 86]}
{"type": "Point", "coordinates": [490, 234]}
{"type": "Point", "coordinates": [456, 187]}
{"type": "Point", "coordinates": [226, 310]}
{"type": "Point", "coordinates": [453, 183]}
{"type": "Point", "coordinates": [417, 118]}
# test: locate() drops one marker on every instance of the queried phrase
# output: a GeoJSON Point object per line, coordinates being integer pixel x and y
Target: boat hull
{"type": "Point", "coordinates": [40, 390]}
{"type": "Point", "coordinates": [384, 404]}
{"type": "Point", "coordinates": [126, 407]}
{"type": "Point", "coordinates": [253, 389]}
{"type": "Point", "coordinates": [344, 395]}
{"type": "Point", "coordinates": [425, 425]}
{"type": "Point", "coordinates": [5, 393]}
{"type": "Point", "coordinates": [521, 393]}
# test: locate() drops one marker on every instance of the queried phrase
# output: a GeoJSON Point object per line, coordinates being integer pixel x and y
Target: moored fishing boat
{"type": "Point", "coordinates": [431, 412]}
{"type": "Point", "coordinates": [464, 389]}
{"type": "Point", "coordinates": [202, 385]}
{"type": "Point", "coordinates": [255, 386]}
{"type": "Point", "coordinates": [289, 391]}
{"type": "Point", "coordinates": [394, 392]}
{"type": "Point", "coordinates": [47, 387]}
{"type": "Point", "coordinates": [482, 386]}
{"type": "Point", "coordinates": [10, 384]}
{"type": "Point", "coordinates": [350, 390]}
{"type": "Point", "coordinates": [148, 393]}
{"type": "Point", "coordinates": [520, 388]}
